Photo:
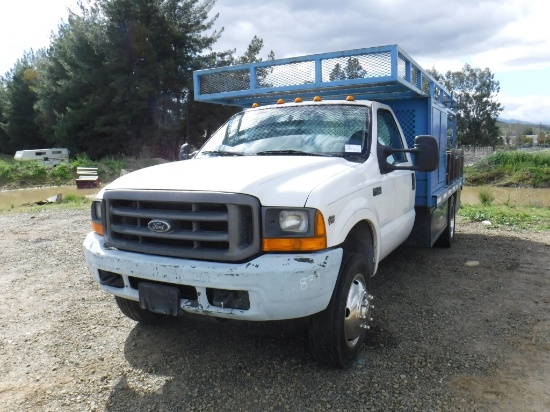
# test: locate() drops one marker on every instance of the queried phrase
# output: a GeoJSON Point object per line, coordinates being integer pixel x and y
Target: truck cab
{"type": "Point", "coordinates": [349, 139]}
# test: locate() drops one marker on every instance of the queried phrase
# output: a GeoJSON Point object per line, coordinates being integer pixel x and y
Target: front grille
{"type": "Point", "coordinates": [206, 226]}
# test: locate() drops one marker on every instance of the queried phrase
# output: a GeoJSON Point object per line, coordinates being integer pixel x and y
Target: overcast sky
{"type": "Point", "coordinates": [510, 37]}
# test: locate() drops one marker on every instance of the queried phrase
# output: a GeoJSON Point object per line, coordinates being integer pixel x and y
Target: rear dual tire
{"type": "Point", "coordinates": [447, 238]}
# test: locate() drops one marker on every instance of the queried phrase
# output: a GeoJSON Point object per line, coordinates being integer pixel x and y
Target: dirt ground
{"type": "Point", "coordinates": [460, 329]}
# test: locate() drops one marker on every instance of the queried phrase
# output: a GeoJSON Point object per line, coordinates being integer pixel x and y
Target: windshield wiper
{"type": "Point", "coordinates": [222, 153]}
{"type": "Point", "coordinates": [288, 152]}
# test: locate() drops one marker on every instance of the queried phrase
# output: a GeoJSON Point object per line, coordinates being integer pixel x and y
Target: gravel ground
{"type": "Point", "coordinates": [461, 329]}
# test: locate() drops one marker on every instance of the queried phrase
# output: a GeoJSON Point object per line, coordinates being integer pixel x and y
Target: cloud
{"type": "Point", "coordinates": [488, 33]}
{"type": "Point", "coordinates": [26, 25]}
{"type": "Point", "coordinates": [430, 28]}
{"type": "Point", "coordinates": [506, 36]}
{"type": "Point", "coordinates": [534, 108]}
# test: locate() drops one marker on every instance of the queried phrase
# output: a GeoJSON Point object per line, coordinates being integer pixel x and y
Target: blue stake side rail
{"type": "Point", "coordinates": [376, 73]}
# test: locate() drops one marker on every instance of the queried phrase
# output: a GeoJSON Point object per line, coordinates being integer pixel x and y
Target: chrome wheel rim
{"type": "Point", "coordinates": [357, 310]}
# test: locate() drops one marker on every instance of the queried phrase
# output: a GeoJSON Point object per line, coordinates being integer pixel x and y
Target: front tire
{"type": "Point", "coordinates": [336, 335]}
{"type": "Point", "coordinates": [132, 310]}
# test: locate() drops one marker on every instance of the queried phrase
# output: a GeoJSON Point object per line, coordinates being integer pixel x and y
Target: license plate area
{"type": "Point", "coordinates": [160, 299]}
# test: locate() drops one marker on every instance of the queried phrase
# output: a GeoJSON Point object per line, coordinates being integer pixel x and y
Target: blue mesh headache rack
{"type": "Point", "coordinates": [376, 73]}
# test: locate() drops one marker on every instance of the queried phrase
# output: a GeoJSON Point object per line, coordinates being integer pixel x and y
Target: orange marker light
{"type": "Point", "coordinates": [350, 99]}
{"type": "Point", "coordinates": [255, 105]}
{"type": "Point", "coordinates": [317, 99]}
{"type": "Point", "coordinates": [298, 100]}
{"type": "Point", "coordinates": [280, 101]}
{"type": "Point", "coordinates": [97, 227]}
{"type": "Point", "coordinates": [294, 244]}
{"type": "Point", "coordinates": [320, 229]}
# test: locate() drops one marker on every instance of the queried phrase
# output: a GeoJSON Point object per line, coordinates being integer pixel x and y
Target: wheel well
{"type": "Point", "coordinates": [361, 240]}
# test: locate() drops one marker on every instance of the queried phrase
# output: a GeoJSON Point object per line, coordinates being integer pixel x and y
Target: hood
{"type": "Point", "coordinates": [271, 178]}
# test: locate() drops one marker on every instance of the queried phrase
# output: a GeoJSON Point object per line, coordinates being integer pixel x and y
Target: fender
{"type": "Point", "coordinates": [342, 215]}
{"type": "Point", "coordinates": [370, 217]}
{"type": "Point", "coordinates": [345, 200]}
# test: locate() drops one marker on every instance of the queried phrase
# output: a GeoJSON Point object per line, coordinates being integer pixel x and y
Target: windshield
{"type": "Point", "coordinates": [323, 130]}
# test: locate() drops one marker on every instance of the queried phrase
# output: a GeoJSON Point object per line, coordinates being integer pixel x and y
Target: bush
{"type": "Point", "coordinates": [6, 171]}
{"type": "Point", "coordinates": [515, 160]}
{"type": "Point", "coordinates": [31, 173]}
{"type": "Point", "coordinates": [486, 197]}
{"type": "Point", "coordinates": [81, 160]}
{"type": "Point", "coordinates": [75, 199]}
{"type": "Point", "coordinates": [61, 173]}
{"type": "Point", "coordinates": [513, 168]}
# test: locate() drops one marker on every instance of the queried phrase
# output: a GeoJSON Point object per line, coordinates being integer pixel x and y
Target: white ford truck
{"type": "Point", "coordinates": [287, 210]}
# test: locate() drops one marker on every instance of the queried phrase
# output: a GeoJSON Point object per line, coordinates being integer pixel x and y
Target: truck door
{"type": "Point", "coordinates": [397, 188]}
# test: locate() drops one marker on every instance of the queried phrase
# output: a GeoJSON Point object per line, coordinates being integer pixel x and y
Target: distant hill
{"type": "Point", "coordinates": [511, 121]}
{"type": "Point", "coordinates": [520, 125]}
{"type": "Point", "coordinates": [523, 122]}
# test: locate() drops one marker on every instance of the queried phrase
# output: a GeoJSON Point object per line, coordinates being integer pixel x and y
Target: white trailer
{"type": "Point", "coordinates": [48, 157]}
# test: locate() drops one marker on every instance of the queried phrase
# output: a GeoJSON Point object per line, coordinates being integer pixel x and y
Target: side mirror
{"type": "Point", "coordinates": [425, 155]}
{"type": "Point", "coordinates": [185, 150]}
{"type": "Point", "coordinates": [188, 156]}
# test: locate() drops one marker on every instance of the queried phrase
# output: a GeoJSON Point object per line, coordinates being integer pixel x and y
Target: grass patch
{"type": "Point", "coordinates": [81, 204]}
{"type": "Point", "coordinates": [486, 197]}
{"type": "Point", "coordinates": [513, 168]}
{"type": "Point", "coordinates": [74, 199]}
{"type": "Point", "coordinates": [16, 174]}
{"type": "Point", "coordinates": [517, 218]}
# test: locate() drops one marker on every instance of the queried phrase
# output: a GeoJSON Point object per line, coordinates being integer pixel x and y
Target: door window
{"type": "Point", "coordinates": [388, 135]}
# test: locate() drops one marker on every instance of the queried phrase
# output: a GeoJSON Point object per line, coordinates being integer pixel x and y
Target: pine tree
{"type": "Point", "coordinates": [19, 124]}
{"type": "Point", "coordinates": [117, 75]}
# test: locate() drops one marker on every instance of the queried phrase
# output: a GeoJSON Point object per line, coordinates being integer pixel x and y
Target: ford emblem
{"type": "Point", "coordinates": [159, 226]}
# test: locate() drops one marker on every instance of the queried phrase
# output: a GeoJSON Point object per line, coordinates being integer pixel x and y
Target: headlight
{"type": "Point", "coordinates": [286, 230]}
{"type": "Point", "coordinates": [295, 221]}
{"type": "Point", "coordinates": [97, 213]}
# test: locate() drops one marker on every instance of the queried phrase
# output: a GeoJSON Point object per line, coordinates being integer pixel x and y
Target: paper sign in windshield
{"type": "Point", "coordinates": [352, 148]}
